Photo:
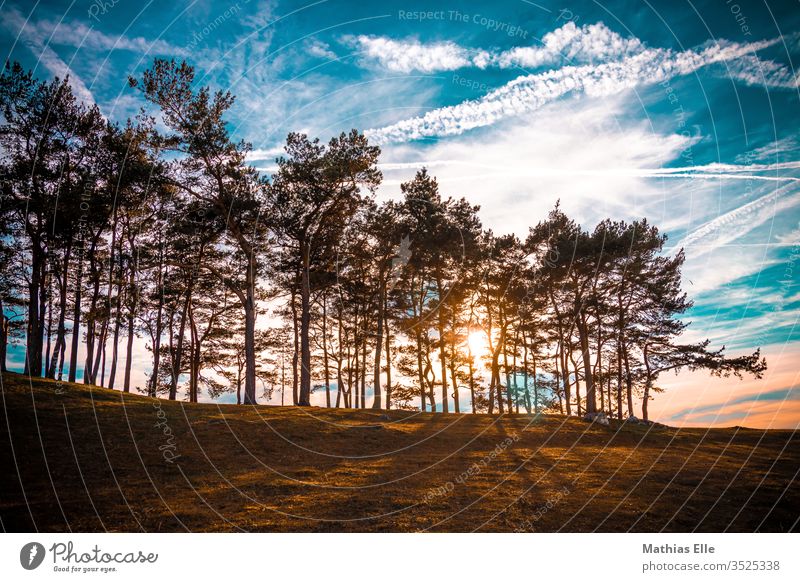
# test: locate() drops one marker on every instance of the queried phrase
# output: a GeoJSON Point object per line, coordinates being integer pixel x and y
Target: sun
{"type": "Point", "coordinates": [477, 344]}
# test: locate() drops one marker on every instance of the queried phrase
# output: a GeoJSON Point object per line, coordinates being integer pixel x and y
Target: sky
{"type": "Point", "coordinates": [684, 112]}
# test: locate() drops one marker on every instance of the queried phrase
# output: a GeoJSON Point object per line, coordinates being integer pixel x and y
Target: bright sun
{"type": "Point", "coordinates": [477, 344]}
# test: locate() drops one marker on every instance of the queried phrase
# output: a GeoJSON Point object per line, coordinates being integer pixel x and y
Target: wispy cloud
{"type": "Point", "coordinates": [761, 73]}
{"type": "Point", "coordinates": [530, 92]}
{"type": "Point", "coordinates": [78, 35]}
{"type": "Point", "coordinates": [738, 222]}
{"type": "Point", "coordinates": [22, 28]}
{"type": "Point", "coordinates": [778, 150]}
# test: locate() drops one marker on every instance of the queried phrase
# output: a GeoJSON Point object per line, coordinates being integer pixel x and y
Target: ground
{"type": "Point", "coordinates": [83, 458]}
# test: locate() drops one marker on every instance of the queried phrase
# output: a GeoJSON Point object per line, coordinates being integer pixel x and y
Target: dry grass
{"type": "Point", "coordinates": [90, 459]}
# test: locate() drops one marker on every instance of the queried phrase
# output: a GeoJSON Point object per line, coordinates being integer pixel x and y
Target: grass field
{"type": "Point", "coordinates": [83, 458]}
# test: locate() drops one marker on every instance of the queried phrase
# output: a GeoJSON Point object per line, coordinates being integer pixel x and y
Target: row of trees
{"type": "Point", "coordinates": [160, 231]}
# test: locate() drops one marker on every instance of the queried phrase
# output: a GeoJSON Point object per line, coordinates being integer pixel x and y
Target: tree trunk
{"type": "Point", "coordinates": [112, 375]}
{"type": "Point", "coordinates": [364, 373]}
{"type": "Point", "coordinates": [61, 332]}
{"type": "Point", "coordinates": [4, 331]}
{"type": "Point", "coordinates": [325, 362]}
{"type": "Point", "coordinates": [422, 396]}
{"type": "Point", "coordinates": [525, 373]}
{"type": "Point", "coordinates": [153, 389]}
{"type": "Point", "coordinates": [376, 381]}
{"type": "Point", "coordinates": [628, 382]}
{"type": "Point", "coordinates": [340, 355]}
{"type": "Point", "coordinates": [305, 322]}
{"type": "Point", "coordinates": [388, 359]}
{"type": "Point", "coordinates": [91, 329]}
{"type": "Point", "coordinates": [440, 321]}
{"type": "Point", "coordinates": [296, 353]}
{"type": "Point", "coordinates": [126, 386]}
{"type": "Point", "coordinates": [176, 362]}
{"type": "Point", "coordinates": [471, 379]}
{"type": "Point", "coordinates": [583, 333]}
{"type": "Point", "coordinates": [619, 379]}
{"type": "Point", "coordinates": [647, 384]}
{"type": "Point", "coordinates": [249, 337]}
{"type": "Point", "coordinates": [33, 348]}
{"type": "Point", "coordinates": [565, 379]}
{"type": "Point", "coordinates": [76, 313]}
{"type": "Point", "coordinates": [49, 324]}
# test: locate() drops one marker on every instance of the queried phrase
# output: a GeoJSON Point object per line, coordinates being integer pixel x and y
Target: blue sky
{"type": "Point", "coordinates": [684, 113]}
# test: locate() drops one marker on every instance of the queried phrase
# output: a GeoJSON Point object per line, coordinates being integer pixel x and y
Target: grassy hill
{"type": "Point", "coordinates": [83, 458]}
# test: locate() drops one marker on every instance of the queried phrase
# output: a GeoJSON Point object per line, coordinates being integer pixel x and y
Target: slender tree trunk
{"type": "Point", "coordinates": [647, 384]}
{"type": "Point", "coordinates": [355, 380]}
{"type": "Point", "coordinates": [454, 383]}
{"type": "Point", "coordinates": [305, 323]}
{"type": "Point", "coordinates": [525, 372]}
{"type": "Point", "coordinates": [126, 386]}
{"type": "Point", "coordinates": [340, 355]}
{"type": "Point", "coordinates": [388, 357]}
{"type": "Point", "coordinates": [296, 353]}
{"type": "Point", "coordinates": [4, 331]}
{"type": "Point", "coordinates": [628, 382]}
{"type": "Point", "coordinates": [442, 350]}
{"type": "Point", "coordinates": [364, 372]}
{"type": "Point", "coordinates": [471, 379]}
{"type": "Point", "coordinates": [112, 375]}
{"type": "Point", "coordinates": [61, 332]}
{"type": "Point", "coordinates": [176, 362]}
{"type": "Point", "coordinates": [44, 299]}
{"type": "Point", "coordinates": [560, 378]}
{"type": "Point", "coordinates": [578, 400]}
{"type": "Point", "coordinates": [583, 333]}
{"type": "Point", "coordinates": [325, 361]}
{"type": "Point", "coordinates": [76, 313]}
{"type": "Point", "coordinates": [508, 376]}
{"type": "Point", "coordinates": [91, 329]}
{"type": "Point", "coordinates": [33, 349]}
{"type": "Point", "coordinates": [101, 346]}
{"type": "Point", "coordinates": [133, 305]}
{"type": "Point", "coordinates": [376, 381]}
{"type": "Point", "coordinates": [565, 380]}
{"type": "Point", "coordinates": [250, 335]}
{"type": "Point", "coordinates": [194, 360]}
{"type": "Point", "coordinates": [49, 325]}
{"type": "Point", "coordinates": [153, 388]}
{"type": "Point", "coordinates": [420, 373]}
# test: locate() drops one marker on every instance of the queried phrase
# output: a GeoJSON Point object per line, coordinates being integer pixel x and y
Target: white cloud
{"type": "Point", "coordinates": [530, 92]}
{"type": "Point", "coordinates": [411, 55]}
{"type": "Point", "coordinates": [568, 44]}
{"type": "Point", "coordinates": [265, 153]}
{"type": "Point", "coordinates": [571, 44]}
{"type": "Point", "coordinates": [319, 49]}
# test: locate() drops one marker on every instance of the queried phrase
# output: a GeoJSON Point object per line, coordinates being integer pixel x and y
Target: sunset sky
{"type": "Point", "coordinates": [684, 113]}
